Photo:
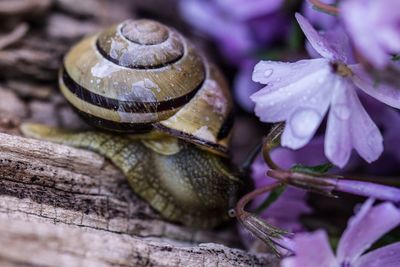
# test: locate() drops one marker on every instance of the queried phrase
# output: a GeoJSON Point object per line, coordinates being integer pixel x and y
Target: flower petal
{"type": "Point", "coordinates": [302, 125]}
{"type": "Point", "coordinates": [305, 119]}
{"type": "Point", "coordinates": [358, 24]}
{"type": "Point", "coordinates": [382, 92]}
{"type": "Point", "coordinates": [244, 10]}
{"type": "Point", "coordinates": [368, 225]}
{"type": "Point", "coordinates": [244, 87]}
{"type": "Point", "coordinates": [349, 125]}
{"type": "Point", "coordinates": [338, 143]}
{"type": "Point", "coordinates": [388, 256]}
{"type": "Point", "coordinates": [368, 189]}
{"type": "Point", "coordinates": [338, 41]}
{"type": "Point", "coordinates": [320, 19]}
{"type": "Point", "coordinates": [311, 250]}
{"type": "Point", "coordinates": [366, 137]}
{"type": "Point", "coordinates": [361, 18]}
{"type": "Point", "coordinates": [276, 74]}
{"type": "Point", "coordinates": [201, 14]}
{"type": "Point", "coordinates": [319, 43]}
{"type": "Point", "coordinates": [312, 91]}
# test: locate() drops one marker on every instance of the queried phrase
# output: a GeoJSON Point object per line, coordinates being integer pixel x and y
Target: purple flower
{"type": "Point", "coordinates": [374, 27]}
{"type": "Point", "coordinates": [320, 19]}
{"type": "Point", "coordinates": [301, 93]}
{"type": "Point", "coordinates": [337, 38]}
{"type": "Point", "coordinates": [388, 120]}
{"type": "Point", "coordinates": [367, 226]}
{"type": "Point", "coordinates": [287, 209]}
{"type": "Point", "coordinates": [243, 86]}
{"type": "Point", "coordinates": [244, 9]}
{"type": "Point", "coordinates": [326, 185]}
{"type": "Point", "coordinates": [237, 26]}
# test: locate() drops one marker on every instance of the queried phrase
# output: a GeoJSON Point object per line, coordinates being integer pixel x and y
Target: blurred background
{"type": "Point", "coordinates": [235, 34]}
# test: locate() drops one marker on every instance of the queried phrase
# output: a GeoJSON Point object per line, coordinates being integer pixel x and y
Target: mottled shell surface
{"type": "Point", "coordinates": [207, 118]}
{"type": "Point", "coordinates": [141, 76]}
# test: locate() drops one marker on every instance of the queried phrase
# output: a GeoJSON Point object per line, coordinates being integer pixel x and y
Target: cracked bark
{"type": "Point", "coordinates": [71, 207]}
{"type": "Point", "coordinates": [61, 206]}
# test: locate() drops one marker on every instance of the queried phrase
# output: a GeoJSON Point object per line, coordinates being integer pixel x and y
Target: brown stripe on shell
{"type": "Point", "coordinates": [127, 106]}
{"type": "Point", "coordinates": [137, 50]}
{"type": "Point", "coordinates": [108, 125]}
{"type": "Point", "coordinates": [226, 126]}
{"type": "Point", "coordinates": [119, 62]}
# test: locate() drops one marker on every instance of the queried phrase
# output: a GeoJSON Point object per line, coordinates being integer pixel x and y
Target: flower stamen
{"type": "Point", "coordinates": [341, 69]}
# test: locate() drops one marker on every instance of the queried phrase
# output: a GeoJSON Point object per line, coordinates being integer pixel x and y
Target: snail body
{"type": "Point", "coordinates": [184, 183]}
{"type": "Point", "coordinates": [145, 80]}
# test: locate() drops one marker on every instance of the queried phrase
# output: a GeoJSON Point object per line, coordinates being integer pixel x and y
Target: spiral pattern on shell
{"type": "Point", "coordinates": [137, 76]}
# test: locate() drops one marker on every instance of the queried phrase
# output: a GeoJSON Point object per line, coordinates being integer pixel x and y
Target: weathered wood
{"type": "Point", "coordinates": [71, 195]}
{"type": "Point", "coordinates": [14, 36]}
{"type": "Point", "coordinates": [78, 187]}
{"type": "Point", "coordinates": [26, 8]}
{"type": "Point", "coordinates": [61, 206]}
{"type": "Point", "coordinates": [46, 244]}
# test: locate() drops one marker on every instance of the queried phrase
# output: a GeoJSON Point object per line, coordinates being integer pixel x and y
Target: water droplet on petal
{"type": "Point", "coordinates": [303, 122]}
{"type": "Point", "coordinates": [299, 65]}
{"type": "Point", "coordinates": [341, 111]}
{"type": "Point", "coordinates": [268, 72]}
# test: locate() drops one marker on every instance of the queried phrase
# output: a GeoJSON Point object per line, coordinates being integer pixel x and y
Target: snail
{"type": "Point", "coordinates": [165, 115]}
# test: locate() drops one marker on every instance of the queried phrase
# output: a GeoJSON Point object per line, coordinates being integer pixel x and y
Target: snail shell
{"type": "Point", "coordinates": [142, 76]}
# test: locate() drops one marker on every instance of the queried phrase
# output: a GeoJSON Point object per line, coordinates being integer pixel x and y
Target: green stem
{"type": "Point", "coordinates": [272, 141]}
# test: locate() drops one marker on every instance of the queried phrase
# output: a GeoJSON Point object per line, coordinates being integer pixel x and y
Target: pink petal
{"type": "Point", "coordinates": [373, 26]}
{"type": "Point", "coordinates": [311, 91]}
{"type": "Point", "coordinates": [388, 256]}
{"type": "Point", "coordinates": [306, 112]}
{"type": "Point", "coordinates": [311, 250]}
{"type": "Point", "coordinates": [310, 155]}
{"type": "Point", "coordinates": [234, 37]}
{"type": "Point", "coordinates": [366, 137]}
{"type": "Point", "coordinates": [358, 24]}
{"type": "Point", "coordinates": [302, 125]}
{"type": "Point", "coordinates": [382, 92]}
{"type": "Point", "coordinates": [244, 86]}
{"type": "Point", "coordinates": [244, 9]}
{"type": "Point", "coordinates": [284, 212]}
{"type": "Point", "coordinates": [289, 207]}
{"type": "Point", "coordinates": [338, 143]}
{"type": "Point", "coordinates": [276, 74]}
{"type": "Point", "coordinates": [367, 189]}
{"type": "Point", "coordinates": [320, 19]}
{"type": "Point", "coordinates": [349, 125]}
{"type": "Point", "coordinates": [367, 226]}
{"type": "Point", "coordinates": [319, 43]}
{"type": "Point", "coordinates": [338, 41]}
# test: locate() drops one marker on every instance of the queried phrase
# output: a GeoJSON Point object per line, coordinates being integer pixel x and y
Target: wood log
{"type": "Point", "coordinates": [62, 206]}
{"type": "Point", "coordinates": [46, 244]}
